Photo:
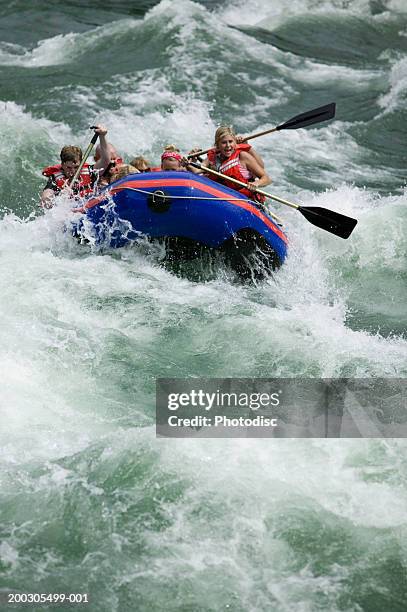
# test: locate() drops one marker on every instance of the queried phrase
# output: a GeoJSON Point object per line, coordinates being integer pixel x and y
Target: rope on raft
{"type": "Point", "coordinates": [227, 198]}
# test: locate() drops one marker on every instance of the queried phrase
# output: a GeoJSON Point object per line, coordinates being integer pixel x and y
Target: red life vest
{"type": "Point", "coordinates": [232, 167]}
{"type": "Point", "coordinates": [83, 185]}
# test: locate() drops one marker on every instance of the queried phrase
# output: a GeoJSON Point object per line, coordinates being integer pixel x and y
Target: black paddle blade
{"type": "Point", "coordinates": [323, 113]}
{"type": "Point", "coordinates": [329, 220]}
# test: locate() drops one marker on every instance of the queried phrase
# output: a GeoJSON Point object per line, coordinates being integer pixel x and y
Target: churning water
{"type": "Point", "coordinates": [91, 501]}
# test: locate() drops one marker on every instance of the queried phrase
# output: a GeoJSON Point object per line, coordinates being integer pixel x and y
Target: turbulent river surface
{"type": "Point", "coordinates": [90, 500]}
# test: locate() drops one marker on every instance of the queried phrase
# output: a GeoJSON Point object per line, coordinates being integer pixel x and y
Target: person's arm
{"type": "Point", "coordinates": [104, 160]}
{"type": "Point", "coordinates": [48, 193]}
{"type": "Point", "coordinates": [256, 156]}
{"type": "Point", "coordinates": [251, 151]}
{"type": "Point", "coordinates": [47, 198]}
{"type": "Point", "coordinates": [186, 163]}
{"type": "Point", "coordinates": [262, 178]}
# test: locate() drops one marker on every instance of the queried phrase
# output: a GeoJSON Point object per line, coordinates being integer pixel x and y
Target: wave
{"type": "Point", "coordinates": [272, 15]}
{"type": "Point", "coordinates": [26, 146]}
{"type": "Point", "coordinates": [398, 6]}
{"type": "Point", "coordinates": [19, 126]}
{"type": "Point", "coordinates": [63, 48]}
{"type": "Point", "coordinates": [395, 98]}
{"type": "Point", "coordinates": [67, 48]}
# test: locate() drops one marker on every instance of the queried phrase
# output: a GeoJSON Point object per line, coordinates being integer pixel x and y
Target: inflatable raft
{"type": "Point", "coordinates": [188, 211]}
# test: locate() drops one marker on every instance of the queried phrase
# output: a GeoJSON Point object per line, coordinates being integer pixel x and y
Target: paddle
{"type": "Point", "coordinates": [85, 156]}
{"type": "Point", "coordinates": [317, 115]}
{"type": "Point", "coordinates": [326, 219]}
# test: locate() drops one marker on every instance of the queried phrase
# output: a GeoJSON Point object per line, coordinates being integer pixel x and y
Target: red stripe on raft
{"type": "Point", "coordinates": [184, 183]}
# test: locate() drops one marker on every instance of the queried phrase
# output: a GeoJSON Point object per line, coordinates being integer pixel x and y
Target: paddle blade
{"type": "Point", "coordinates": [323, 113]}
{"type": "Point", "coordinates": [329, 220]}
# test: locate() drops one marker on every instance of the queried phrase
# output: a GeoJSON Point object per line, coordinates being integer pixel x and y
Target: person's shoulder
{"type": "Point", "coordinates": [245, 156]}
{"type": "Point", "coordinates": [51, 170]}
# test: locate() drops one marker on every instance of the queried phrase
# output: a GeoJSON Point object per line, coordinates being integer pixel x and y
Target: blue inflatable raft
{"type": "Point", "coordinates": [188, 211]}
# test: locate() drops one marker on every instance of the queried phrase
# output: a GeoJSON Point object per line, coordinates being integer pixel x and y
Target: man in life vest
{"type": "Point", "coordinates": [237, 161]}
{"type": "Point", "coordinates": [60, 175]}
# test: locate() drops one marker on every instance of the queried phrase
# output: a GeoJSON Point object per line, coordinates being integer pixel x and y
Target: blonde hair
{"type": "Point", "coordinates": [222, 131]}
{"type": "Point", "coordinates": [172, 148]}
{"type": "Point", "coordinates": [124, 170]}
{"type": "Point", "coordinates": [139, 162]}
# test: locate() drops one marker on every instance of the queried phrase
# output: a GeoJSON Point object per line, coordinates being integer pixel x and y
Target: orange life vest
{"type": "Point", "coordinates": [232, 167]}
{"type": "Point", "coordinates": [83, 185]}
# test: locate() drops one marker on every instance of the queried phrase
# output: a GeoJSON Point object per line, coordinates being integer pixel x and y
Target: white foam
{"type": "Point", "coordinates": [271, 15]}
{"type": "Point", "coordinates": [83, 336]}
{"type": "Point", "coordinates": [8, 555]}
{"type": "Point", "coordinates": [261, 499]}
{"type": "Point", "coordinates": [32, 137]}
{"type": "Point", "coordinates": [320, 471]}
{"type": "Point", "coordinates": [148, 132]}
{"type": "Point", "coordinates": [399, 6]}
{"type": "Point", "coordinates": [395, 98]}
{"type": "Point", "coordinates": [326, 156]}
{"type": "Point", "coordinates": [65, 48]}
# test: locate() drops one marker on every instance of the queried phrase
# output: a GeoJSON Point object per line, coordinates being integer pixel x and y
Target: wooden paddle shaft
{"type": "Point", "coordinates": [260, 134]}
{"type": "Point", "coordinates": [84, 158]}
{"type": "Point", "coordinates": [242, 184]}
